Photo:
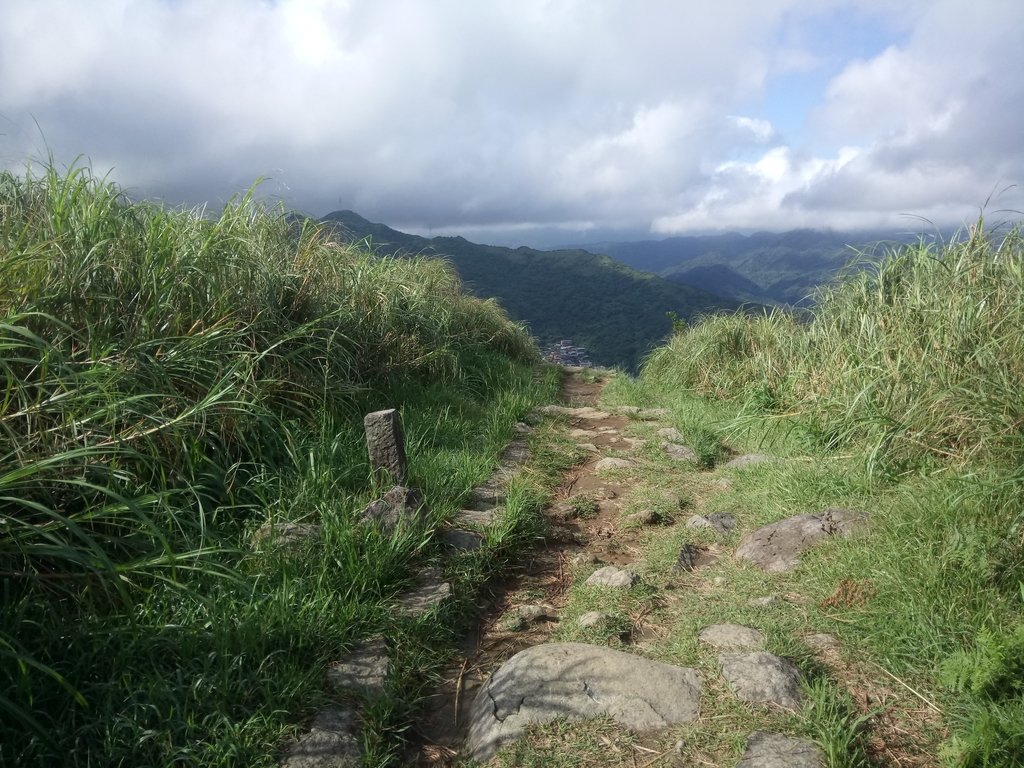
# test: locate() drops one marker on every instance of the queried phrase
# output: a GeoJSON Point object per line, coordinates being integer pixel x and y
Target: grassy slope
{"type": "Point", "coordinates": [169, 384]}
{"type": "Point", "coordinates": [904, 394]}
{"type": "Point", "coordinates": [617, 313]}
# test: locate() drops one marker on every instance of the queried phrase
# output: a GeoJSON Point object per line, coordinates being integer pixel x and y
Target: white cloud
{"type": "Point", "coordinates": [515, 113]}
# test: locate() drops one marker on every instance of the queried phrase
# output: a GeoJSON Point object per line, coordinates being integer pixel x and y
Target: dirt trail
{"type": "Point", "coordinates": [544, 576]}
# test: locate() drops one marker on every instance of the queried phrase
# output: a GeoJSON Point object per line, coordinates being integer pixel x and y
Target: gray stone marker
{"type": "Point", "coordinates": [386, 445]}
{"type": "Point", "coordinates": [515, 453]}
{"type": "Point", "coordinates": [722, 522]}
{"type": "Point", "coordinates": [578, 681]}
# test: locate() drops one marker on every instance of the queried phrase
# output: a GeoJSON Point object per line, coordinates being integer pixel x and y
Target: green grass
{"type": "Point", "coordinates": [169, 382]}
{"type": "Point", "coordinates": [899, 396]}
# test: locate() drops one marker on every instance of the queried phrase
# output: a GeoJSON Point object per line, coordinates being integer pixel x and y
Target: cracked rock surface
{"type": "Point", "coordinates": [776, 548]}
{"type": "Point", "coordinates": [762, 678]}
{"type": "Point", "coordinates": [578, 681]}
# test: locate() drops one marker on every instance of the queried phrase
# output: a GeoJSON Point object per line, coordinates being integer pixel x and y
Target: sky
{"type": "Point", "coordinates": [534, 121]}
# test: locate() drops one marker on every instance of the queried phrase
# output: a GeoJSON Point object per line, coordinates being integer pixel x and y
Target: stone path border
{"type": "Point", "coordinates": [333, 739]}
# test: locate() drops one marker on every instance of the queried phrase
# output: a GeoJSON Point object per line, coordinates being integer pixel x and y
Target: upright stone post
{"type": "Point", "coordinates": [386, 445]}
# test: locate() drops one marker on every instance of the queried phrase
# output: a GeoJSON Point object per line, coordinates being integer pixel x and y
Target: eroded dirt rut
{"type": "Point", "coordinates": [509, 624]}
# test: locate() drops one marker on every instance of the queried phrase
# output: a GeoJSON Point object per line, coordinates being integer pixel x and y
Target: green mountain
{"type": "Point", "coordinates": [765, 267]}
{"type": "Point", "coordinates": [615, 311]}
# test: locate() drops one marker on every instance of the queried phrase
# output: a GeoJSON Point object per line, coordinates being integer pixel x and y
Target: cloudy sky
{"type": "Point", "coordinates": [534, 121]}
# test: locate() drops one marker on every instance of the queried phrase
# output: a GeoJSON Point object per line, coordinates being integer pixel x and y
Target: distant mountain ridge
{"type": "Point", "coordinates": [617, 312]}
{"type": "Point", "coordinates": [765, 267]}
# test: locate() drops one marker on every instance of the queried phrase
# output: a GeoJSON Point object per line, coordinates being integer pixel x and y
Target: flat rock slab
{"type": "Point", "coordinates": [477, 518]}
{"type": "Point", "coordinates": [431, 590]}
{"type": "Point", "coordinates": [586, 412]}
{"type": "Point", "coordinates": [776, 548]}
{"type": "Point", "coordinates": [762, 678]}
{"type": "Point", "coordinates": [333, 742]}
{"type": "Point", "coordinates": [578, 681]}
{"type": "Point", "coordinates": [461, 541]}
{"type": "Point", "coordinates": [613, 576]}
{"type": "Point", "coordinates": [671, 434]}
{"type": "Point", "coordinates": [747, 460]}
{"type": "Point", "coordinates": [515, 453]}
{"type": "Point", "coordinates": [773, 750]}
{"type": "Point", "coordinates": [732, 637]}
{"type": "Point", "coordinates": [644, 414]}
{"type": "Point", "coordinates": [611, 463]}
{"type": "Point", "coordinates": [363, 671]}
{"type": "Point", "coordinates": [679, 452]}
{"type": "Point", "coordinates": [489, 494]}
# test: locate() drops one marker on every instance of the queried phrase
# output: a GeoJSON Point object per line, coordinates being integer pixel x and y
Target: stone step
{"type": "Point", "coordinates": [476, 518]}
{"type": "Point", "coordinates": [333, 741]}
{"type": "Point", "coordinates": [460, 540]}
{"type": "Point", "coordinates": [430, 592]}
{"type": "Point", "coordinates": [362, 671]}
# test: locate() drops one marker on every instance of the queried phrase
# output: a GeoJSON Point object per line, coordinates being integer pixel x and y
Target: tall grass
{"type": "Point", "coordinates": [916, 365]}
{"type": "Point", "coordinates": [168, 381]}
{"type": "Point", "coordinates": [919, 355]}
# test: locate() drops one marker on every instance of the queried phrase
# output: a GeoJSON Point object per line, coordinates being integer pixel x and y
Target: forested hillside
{"type": "Point", "coordinates": [616, 312]}
{"type": "Point", "coordinates": [764, 267]}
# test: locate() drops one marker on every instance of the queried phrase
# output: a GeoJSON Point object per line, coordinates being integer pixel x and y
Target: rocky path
{"type": "Point", "coordinates": [515, 674]}
{"type": "Point", "coordinates": [583, 629]}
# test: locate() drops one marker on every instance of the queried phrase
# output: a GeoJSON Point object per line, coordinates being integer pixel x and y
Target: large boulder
{"type": "Point", "coordinates": [576, 681]}
{"type": "Point", "coordinates": [776, 548]}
